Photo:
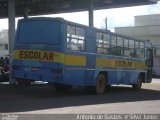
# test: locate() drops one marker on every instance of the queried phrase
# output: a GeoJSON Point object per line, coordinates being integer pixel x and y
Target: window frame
{"type": "Point", "coordinates": [100, 45]}
{"type": "Point", "coordinates": [75, 36]}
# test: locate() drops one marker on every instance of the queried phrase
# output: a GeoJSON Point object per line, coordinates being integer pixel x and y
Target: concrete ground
{"type": "Point", "coordinates": [45, 100]}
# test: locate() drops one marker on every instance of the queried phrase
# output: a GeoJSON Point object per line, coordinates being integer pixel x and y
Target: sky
{"type": "Point", "coordinates": [117, 17]}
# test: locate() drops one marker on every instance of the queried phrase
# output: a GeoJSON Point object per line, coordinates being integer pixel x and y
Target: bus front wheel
{"type": "Point", "coordinates": [138, 85]}
{"type": "Point", "coordinates": [100, 84]}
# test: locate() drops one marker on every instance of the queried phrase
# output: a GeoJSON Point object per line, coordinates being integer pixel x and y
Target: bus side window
{"type": "Point", "coordinates": [75, 38]}
{"type": "Point", "coordinates": [120, 45]}
{"type": "Point", "coordinates": [103, 43]}
{"type": "Point", "coordinates": [139, 49]}
{"type": "Point", "coordinates": [114, 48]}
{"type": "Point", "coordinates": [126, 48]}
{"type": "Point", "coordinates": [132, 48]}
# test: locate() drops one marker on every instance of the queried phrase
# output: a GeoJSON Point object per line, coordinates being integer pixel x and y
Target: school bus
{"type": "Point", "coordinates": [69, 54]}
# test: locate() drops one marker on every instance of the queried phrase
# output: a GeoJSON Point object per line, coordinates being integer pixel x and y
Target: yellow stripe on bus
{"type": "Point", "coordinates": [49, 56]}
{"type": "Point", "coordinates": [140, 65]}
{"type": "Point", "coordinates": [75, 60]}
{"type": "Point", "coordinates": [106, 62]}
{"type": "Point", "coordinates": [46, 56]}
{"type": "Point", "coordinates": [102, 62]}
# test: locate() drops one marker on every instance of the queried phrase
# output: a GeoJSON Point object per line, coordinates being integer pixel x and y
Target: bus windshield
{"type": "Point", "coordinates": [39, 32]}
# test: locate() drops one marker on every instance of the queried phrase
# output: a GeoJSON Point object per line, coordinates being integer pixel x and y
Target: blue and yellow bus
{"type": "Point", "coordinates": [69, 54]}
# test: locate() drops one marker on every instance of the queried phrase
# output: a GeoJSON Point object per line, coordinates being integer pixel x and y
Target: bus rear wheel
{"type": "Point", "coordinates": [138, 85]}
{"type": "Point", "coordinates": [100, 84]}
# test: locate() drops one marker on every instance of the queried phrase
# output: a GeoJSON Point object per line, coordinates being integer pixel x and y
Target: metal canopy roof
{"type": "Point", "coordinates": [42, 7]}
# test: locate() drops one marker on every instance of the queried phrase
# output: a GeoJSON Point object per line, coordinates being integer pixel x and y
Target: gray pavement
{"type": "Point", "coordinates": [45, 100]}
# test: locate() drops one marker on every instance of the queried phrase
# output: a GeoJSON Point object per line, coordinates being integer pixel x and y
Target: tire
{"type": "Point", "coordinates": [100, 84]}
{"type": "Point", "coordinates": [62, 88]}
{"type": "Point", "coordinates": [138, 86]}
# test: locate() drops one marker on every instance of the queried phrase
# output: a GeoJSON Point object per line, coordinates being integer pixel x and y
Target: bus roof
{"type": "Point", "coordinates": [63, 20]}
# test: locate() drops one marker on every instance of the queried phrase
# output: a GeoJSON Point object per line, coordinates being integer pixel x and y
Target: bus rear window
{"type": "Point", "coordinates": [39, 32]}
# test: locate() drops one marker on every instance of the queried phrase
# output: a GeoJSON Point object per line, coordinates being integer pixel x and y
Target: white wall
{"type": "Point", "coordinates": [139, 30]}
{"type": "Point", "coordinates": [146, 27]}
{"type": "Point", "coordinates": [146, 20]}
{"type": "Point", "coordinates": [3, 43]}
{"type": "Point", "coordinates": [143, 33]}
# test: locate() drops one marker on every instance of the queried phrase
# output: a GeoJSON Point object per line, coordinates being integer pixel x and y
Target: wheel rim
{"type": "Point", "coordinates": [139, 83]}
{"type": "Point", "coordinates": [100, 86]}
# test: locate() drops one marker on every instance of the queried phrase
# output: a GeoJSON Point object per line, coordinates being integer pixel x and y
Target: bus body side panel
{"type": "Point", "coordinates": [120, 76]}
{"type": "Point", "coordinates": [116, 71]}
{"type": "Point", "coordinates": [90, 56]}
{"type": "Point", "coordinates": [131, 75]}
{"type": "Point", "coordinates": [119, 70]}
{"type": "Point", "coordinates": [74, 68]}
{"type": "Point", "coordinates": [109, 65]}
{"type": "Point", "coordinates": [102, 65]}
{"type": "Point", "coordinates": [90, 70]}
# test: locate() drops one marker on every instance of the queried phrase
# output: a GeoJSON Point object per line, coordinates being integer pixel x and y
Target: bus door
{"type": "Point", "coordinates": [90, 56]}
{"type": "Point", "coordinates": [149, 63]}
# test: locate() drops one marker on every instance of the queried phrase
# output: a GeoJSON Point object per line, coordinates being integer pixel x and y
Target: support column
{"type": "Point", "coordinates": [11, 21]}
{"type": "Point", "coordinates": [91, 14]}
{"type": "Point", "coordinates": [106, 23]}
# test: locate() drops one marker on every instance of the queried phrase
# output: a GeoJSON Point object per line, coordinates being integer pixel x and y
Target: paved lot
{"type": "Point", "coordinates": [45, 99]}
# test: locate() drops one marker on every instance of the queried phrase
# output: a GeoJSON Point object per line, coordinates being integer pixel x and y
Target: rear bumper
{"type": "Point", "coordinates": [36, 77]}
